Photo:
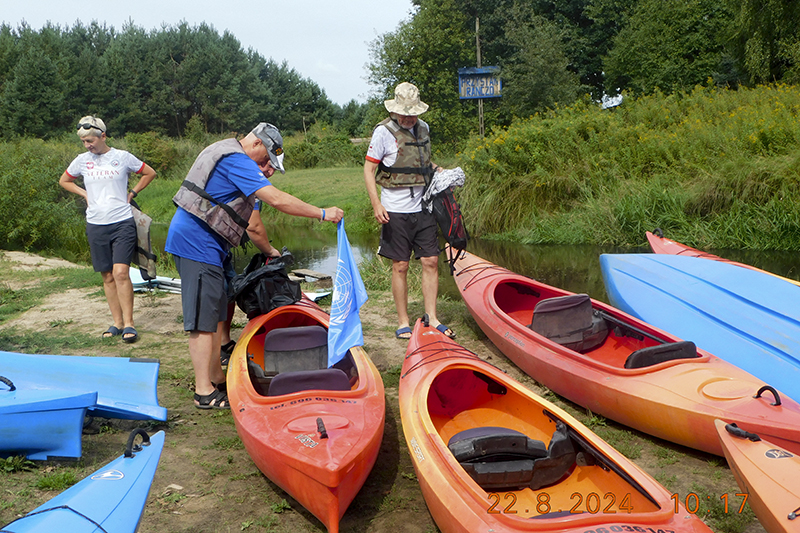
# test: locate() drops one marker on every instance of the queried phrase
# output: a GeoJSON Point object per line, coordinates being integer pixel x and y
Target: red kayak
{"type": "Point", "coordinates": [661, 245]}
{"type": "Point", "coordinates": [618, 366]}
{"type": "Point", "coordinates": [490, 455]}
{"type": "Point", "coordinates": [314, 431]}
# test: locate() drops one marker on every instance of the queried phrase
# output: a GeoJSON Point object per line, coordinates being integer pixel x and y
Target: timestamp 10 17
{"type": "Point", "coordinates": [692, 502]}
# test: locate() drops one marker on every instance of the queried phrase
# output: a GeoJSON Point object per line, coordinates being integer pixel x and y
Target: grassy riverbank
{"type": "Point", "coordinates": [206, 482]}
{"type": "Point", "coordinates": [712, 168]}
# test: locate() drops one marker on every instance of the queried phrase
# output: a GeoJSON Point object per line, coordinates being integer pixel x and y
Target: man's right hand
{"type": "Point", "coordinates": [381, 215]}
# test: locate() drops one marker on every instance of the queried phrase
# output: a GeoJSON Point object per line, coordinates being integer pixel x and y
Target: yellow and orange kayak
{"type": "Point", "coordinates": [661, 245]}
{"type": "Point", "coordinates": [618, 366]}
{"type": "Point", "coordinates": [768, 475]}
{"type": "Point", "coordinates": [314, 431]}
{"type": "Point", "coordinates": [492, 456]}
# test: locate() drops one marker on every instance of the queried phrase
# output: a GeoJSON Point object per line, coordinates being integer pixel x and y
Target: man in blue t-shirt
{"type": "Point", "coordinates": [199, 251]}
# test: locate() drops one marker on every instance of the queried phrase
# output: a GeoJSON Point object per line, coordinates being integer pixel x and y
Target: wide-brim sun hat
{"type": "Point", "coordinates": [273, 142]}
{"type": "Point", "coordinates": [406, 101]}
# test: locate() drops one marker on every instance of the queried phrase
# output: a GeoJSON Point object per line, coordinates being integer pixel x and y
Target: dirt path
{"type": "Point", "coordinates": [206, 482]}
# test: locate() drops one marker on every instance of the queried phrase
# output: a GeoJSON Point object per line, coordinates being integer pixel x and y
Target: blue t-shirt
{"type": "Point", "coordinates": [190, 237]}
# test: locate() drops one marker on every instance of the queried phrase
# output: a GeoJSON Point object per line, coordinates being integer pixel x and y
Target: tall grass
{"type": "Point", "coordinates": [714, 168]}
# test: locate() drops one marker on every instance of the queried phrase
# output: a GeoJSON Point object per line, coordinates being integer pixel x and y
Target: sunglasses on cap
{"type": "Point", "coordinates": [87, 126]}
{"type": "Point", "coordinates": [277, 150]}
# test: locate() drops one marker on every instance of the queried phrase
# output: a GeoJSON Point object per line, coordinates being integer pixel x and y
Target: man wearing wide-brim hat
{"type": "Point", "coordinates": [399, 160]}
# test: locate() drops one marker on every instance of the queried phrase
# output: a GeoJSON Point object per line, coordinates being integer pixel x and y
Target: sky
{"type": "Point", "coordinates": [324, 41]}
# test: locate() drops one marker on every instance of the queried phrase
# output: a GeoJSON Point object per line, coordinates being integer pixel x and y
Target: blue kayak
{"type": "Point", "coordinates": [42, 424]}
{"type": "Point", "coordinates": [111, 500]}
{"type": "Point", "coordinates": [748, 318]}
{"type": "Point", "coordinates": [125, 387]}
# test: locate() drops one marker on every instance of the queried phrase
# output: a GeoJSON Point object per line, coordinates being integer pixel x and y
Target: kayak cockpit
{"type": "Point", "coordinates": [572, 321]}
{"type": "Point", "coordinates": [295, 358]}
{"type": "Point", "coordinates": [498, 439]}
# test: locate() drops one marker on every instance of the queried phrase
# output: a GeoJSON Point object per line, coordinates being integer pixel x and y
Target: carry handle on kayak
{"type": "Point", "coordinates": [736, 431]}
{"type": "Point", "coordinates": [130, 448]}
{"type": "Point", "coordinates": [767, 388]}
{"type": "Point", "coordinates": [8, 382]}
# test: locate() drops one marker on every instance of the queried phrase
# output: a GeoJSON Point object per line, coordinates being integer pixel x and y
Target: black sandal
{"type": "Point", "coordinates": [215, 400]}
{"type": "Point", "coordinates": [225, 352]}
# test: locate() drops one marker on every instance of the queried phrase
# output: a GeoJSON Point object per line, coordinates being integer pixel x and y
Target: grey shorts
{"type": "Point", "coordinates": [409, 231]}
{"type": "Point", "coordinates": [203, 296]}
{"type": "Point", "coordinates": [110, 244]}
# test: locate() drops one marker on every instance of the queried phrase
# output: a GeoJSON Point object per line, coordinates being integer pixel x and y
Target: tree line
{"type": "Point", "coordinates": [164, 80]}
{"type": "Point", "coordinates": [555, 52]}
{"type": "Point", "coordinates": [551, 53]}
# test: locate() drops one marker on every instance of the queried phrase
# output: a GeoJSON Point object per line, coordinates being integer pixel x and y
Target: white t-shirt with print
{"type": "Point", "coordinates": [105, 177]}
{"type": "Point", "coordinates": [383, 147]}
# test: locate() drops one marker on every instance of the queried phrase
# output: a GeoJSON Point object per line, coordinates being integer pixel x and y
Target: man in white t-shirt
{"type": "Point", "coordinates": [399, 160]}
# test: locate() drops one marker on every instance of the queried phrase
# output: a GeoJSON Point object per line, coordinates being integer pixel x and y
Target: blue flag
{"type": "Point", "coordinates": [349, 295]}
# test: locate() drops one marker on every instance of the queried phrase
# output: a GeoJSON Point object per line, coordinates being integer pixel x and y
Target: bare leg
{"type": "Point", "coordinates": [400, 291]}
{"type": "Point", "coordinates": [110, 290]}
{"type": "Point", "coordinates": [124, 291]}
{"type": "Point", "coordinates": [430, 286]}
{"type": "Point", "coordinates": [207, 369]}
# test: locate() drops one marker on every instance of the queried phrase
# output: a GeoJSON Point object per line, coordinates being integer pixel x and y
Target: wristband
{"type": "Point", "coordinates": [323, 216]}
{"type": "Point", "coordinates": [134, 193]}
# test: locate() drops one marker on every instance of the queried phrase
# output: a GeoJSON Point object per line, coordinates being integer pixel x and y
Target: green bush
{"type": "Point", "coordinates": [154, 149]}
{"type": "Point", "coordinates": [35, 212]}
{"type": "Point", "coordinates": [716, 166]}
{"type": "Point", "coordinates": [323, 146]}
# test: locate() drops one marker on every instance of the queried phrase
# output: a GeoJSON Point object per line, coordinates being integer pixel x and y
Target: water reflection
{"type": "Point", "coordinates": [575, 268]}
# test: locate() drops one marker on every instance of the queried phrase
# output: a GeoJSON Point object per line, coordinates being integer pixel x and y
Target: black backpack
{"type": "Point", "coordinates": [448, 217]}
{"type": "Point", "coordinates": [260, 288]}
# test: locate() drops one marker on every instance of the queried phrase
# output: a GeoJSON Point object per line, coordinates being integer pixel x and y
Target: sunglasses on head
{"type": "Point", "coordinates": [87, 126]}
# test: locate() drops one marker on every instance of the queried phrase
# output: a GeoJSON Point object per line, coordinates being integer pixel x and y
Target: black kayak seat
{"type": "Point", "coordinates": [499, 458]}
{"type": "Point", "coordinates": [328, 379]}
{"type": "Point", "coordinates": [660, 353]}
{"type": "Point", "coordinates": [295, 348]}
{"type": "Point", "coordinates": [570, 321]}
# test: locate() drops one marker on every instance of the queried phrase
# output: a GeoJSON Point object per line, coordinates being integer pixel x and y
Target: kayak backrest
{"type": "Point", "coordinates": [570, 321]}
{"type": "Point", "coordinates": [331, 379]}
{"type": "Point", "coordinates": [501, 458]}
{"type": "Point", "coordinates": [660, 353]}
{"type": "Point", "coordinates": [497, 457]}
{"type": "Point", "coordinates": [294, 349]}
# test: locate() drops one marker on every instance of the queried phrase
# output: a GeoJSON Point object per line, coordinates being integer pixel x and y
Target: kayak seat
{"type": "Point", "coordinates": [653, 355]}
{"type": "Point", "coordinates": [499, 458]}
{"type": "Point", "coordinates": [570, 321]}
{"type": "Point", "coordinates": [330, 379]}
{"type": "Point", "coordinates": [294, 349]}
{"type": "Point", "coordinates": [496, 457]}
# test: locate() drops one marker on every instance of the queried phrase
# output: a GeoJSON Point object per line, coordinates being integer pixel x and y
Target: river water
{"type": "Point", "coordinates": [575, 268]}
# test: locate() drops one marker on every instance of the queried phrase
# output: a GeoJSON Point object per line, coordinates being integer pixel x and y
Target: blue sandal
{"type": "Point", "coordinates": [133, 336]}
{"type": "Point", "coordinates": [405, 330]}
{"type": "Point", "coordinates": [113, 331]}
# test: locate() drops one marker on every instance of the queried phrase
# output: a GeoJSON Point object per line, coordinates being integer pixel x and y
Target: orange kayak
{"type": "Point", "coordinates": [768, 475]}
{"type": "Point", "coordinates": [618, 366]}
{"type": "Point", "coordinates": [492, 456]}
{"type": "Point", "coordinates": [661, 245]}
{"type": "Point", "coordinates": [313, 431]}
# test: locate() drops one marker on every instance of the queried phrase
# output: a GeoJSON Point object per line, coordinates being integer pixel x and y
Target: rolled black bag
{"type": "Point", "coordinates": [261, 287]}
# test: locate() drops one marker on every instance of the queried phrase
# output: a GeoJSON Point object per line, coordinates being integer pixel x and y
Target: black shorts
{"type": "Point", "coordinates": [111, 244]}
{"type": "Point", "coordinates": [203, 296]}
{"type": "Point", "coordinates": [409, 231]}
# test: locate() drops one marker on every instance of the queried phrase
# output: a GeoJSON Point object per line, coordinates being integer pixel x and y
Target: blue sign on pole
{"type": "Point", "coordinates": [479, 82]}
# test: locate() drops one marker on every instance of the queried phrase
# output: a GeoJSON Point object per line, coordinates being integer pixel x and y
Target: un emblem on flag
{"type": "Point", "coordinates": [342, 294]}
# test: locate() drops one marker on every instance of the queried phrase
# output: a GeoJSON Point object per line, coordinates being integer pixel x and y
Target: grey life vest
{"type": "Point", "coordinates": [413, 164]}
{"type": "Point", "coordinates": [229, 220]}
